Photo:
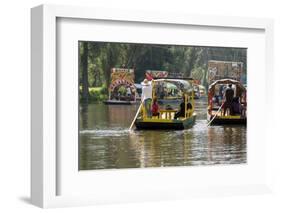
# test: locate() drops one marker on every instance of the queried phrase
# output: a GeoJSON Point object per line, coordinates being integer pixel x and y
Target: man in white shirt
{"type": "Point", "coordinates": [146, 96]}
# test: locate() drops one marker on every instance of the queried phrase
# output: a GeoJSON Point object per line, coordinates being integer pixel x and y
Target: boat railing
{"type": "Point", "coordinates": [167, 114]}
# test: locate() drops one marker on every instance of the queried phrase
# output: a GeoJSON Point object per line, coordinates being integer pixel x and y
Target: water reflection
{"type": "Point", "coordinates": [105, 142]}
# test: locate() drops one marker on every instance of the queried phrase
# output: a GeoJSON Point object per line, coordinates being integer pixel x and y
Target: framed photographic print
{"type": "Point", "coordinates": [130, 106]}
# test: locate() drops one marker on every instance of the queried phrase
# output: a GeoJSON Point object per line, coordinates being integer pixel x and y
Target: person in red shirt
{"type": "Point", "coordinates": [155, 108]}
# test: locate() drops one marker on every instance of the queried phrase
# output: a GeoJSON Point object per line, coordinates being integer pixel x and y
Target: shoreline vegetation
{"type": "Point", "coordinates": [95, 95]}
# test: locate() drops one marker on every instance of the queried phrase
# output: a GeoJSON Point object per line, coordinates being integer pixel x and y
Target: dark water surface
{"type": "Point", "coordinates": [105, 142]}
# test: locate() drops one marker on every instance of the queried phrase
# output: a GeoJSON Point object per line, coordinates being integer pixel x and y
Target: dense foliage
{"type": "Point", "coordinates": [97, 58]}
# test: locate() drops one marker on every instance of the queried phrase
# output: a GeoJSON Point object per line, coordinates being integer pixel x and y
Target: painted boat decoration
{"type": "Point", "coordinates": [122, 89]}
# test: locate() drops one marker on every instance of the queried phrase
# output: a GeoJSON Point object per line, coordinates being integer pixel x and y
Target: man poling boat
{"type": "Point", "coordinates": [153, 115]}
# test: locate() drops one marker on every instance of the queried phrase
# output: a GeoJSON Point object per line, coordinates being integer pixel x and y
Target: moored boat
{"type": "Point", "coordinates": [122, 90]}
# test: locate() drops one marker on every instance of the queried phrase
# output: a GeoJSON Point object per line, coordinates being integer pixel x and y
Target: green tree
{"type": "Point", "coordinates": [84, 67]}
{"type": "Point", "coordinates": [98, 58]}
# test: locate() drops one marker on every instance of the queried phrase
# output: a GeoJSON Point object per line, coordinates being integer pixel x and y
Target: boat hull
{"type": "Point", "coordinates": [159, 124]}
{"type": "Point", "coordinates": [229, 120]}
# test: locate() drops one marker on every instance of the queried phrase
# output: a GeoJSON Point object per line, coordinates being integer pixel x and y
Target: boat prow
{"type": "Point", "coordinates": [228, 120]}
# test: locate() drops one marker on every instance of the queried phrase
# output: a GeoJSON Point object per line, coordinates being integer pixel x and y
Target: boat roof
{"type": "Point", "coordinates": [240, 87]}
{"type": "Point", "coordinates": [185, 84]}
{"type": "Point", "coordinates": [201, 86]}
{"type": "Point", "coordinates": [227, 81]}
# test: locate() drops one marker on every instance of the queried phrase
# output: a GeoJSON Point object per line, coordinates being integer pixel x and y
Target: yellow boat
{"type": "Point", "coordinates": [166, 118]}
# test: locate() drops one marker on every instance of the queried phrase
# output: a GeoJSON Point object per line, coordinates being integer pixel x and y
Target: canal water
{"type": "Point", "coordinates": [106, 143]}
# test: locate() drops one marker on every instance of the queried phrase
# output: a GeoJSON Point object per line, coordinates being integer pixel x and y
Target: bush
{"type": "Point", "coordinates": [103, 90]}
{"type": "Point", "coordinates": [96, 94]}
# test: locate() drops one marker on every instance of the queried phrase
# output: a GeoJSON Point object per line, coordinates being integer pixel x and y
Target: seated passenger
{"type": "Point", "coordinates": [236, 106]}
{"type": "Point", "coordinates": [155, 108]}
{"type": "Point", "coordinates": [181, 111]}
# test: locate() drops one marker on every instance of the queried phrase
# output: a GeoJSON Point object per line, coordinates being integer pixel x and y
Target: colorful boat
{"type": "Point", "coordinates": [220, 113]}
{"type": "Point", "coordinates": [166, 118]}
{"type": "Point", "coordinates": [122, 89]}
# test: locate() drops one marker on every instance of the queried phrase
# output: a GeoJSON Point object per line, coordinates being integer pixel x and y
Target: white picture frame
{"type": "Point", "coordinates": [44, 154]}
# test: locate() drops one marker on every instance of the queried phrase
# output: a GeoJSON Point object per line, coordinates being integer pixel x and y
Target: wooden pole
{"type": "Point", "coordinates": [215, 115]}
{"type": "Point", "coordinates": [132, 124]}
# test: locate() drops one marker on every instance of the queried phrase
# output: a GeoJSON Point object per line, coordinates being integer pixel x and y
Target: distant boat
{"type": "Point", "coordinates": [202, 90]}
{"type": "Point", "coordinates": [196, 90]}
{"type": "Point", "coordinates": [122, 90]}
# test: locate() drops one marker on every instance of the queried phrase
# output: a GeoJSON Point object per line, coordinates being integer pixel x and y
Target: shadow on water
{"type": "Point", "coordinates": [105, 141]}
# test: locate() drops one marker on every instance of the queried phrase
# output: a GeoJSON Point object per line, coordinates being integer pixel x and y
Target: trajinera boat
{"type": "Point", "coordinates": [169, 116]}
{"type": "Point", "coordinates": [220, 111]}
{"type": "Point", "coordinates": [122, 89]}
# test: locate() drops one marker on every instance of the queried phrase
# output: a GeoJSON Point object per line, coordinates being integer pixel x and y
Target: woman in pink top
{"type": "Point", "coordinates": [155, 108]}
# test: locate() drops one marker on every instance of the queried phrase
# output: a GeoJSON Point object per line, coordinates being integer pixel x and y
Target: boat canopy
{"type": "Point", "coordinates": [239, 87]}
{"type": "Point", "coordinates": [183, 85]}
{"type": "Point", "coordinates": [201, 87]}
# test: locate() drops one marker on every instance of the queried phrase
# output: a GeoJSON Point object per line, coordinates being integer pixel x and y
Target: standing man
{"type": "Point", "coordinates": [146, 96]}
{"type": "Point", "coordinates": [229, 94]}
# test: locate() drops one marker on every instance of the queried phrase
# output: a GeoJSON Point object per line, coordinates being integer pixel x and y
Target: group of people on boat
{"type": "Point", "coordinates": [163, 90]}
{"type": "Point", "coordinates": [231, 102]}
{"type": "Point", "coordinates": [151, 104]}
{"type": "Point", "coordinates": [171, 114]}
{"type": "Point", "coordinates": [123, 93]}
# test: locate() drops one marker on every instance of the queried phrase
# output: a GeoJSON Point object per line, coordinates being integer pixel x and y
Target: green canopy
{"type": "Point", "coordinates": [182, 85]}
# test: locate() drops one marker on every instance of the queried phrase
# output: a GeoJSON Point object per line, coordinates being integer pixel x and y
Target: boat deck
{"type": "Point", "coordinates": [226, 119]}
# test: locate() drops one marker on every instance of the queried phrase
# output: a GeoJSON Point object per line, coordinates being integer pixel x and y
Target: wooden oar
{"type": "Point", "coordinates": [215, 115]}
{"type": "Point", "coordinates": [135, 117]}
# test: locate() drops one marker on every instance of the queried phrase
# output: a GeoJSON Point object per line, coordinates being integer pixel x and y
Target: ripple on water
{"type": "Point", "coordinates": [106, 142]}
{"type": "Point", "coordinates": [100, 133]}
